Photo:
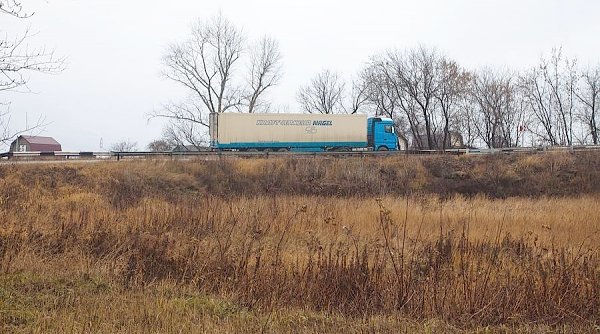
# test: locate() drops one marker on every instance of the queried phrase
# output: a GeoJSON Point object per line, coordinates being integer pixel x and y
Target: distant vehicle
{"type": "Point", "coordinates": [301, 132]}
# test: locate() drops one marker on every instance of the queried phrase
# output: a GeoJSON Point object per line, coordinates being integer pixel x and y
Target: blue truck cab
{"type": "Point", "coordinates": [381, 134]}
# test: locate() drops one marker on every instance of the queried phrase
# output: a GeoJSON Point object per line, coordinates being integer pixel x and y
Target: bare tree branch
{"type": "Point", "coordinates": [359, 96]}
{"type": "Point", "coordinates": [160, 145]}
{"type": "Point", "coordinates": [379, 89]}
{"type": "Point", "coordinates": [550, 92]}
{"type": "Point", "coordinates": [452, 86]}
{"type": "Point", "coordinates": [125, 145]}
{"type": "Point", "coordinates": [181, 134]}
{"type": "Point", "coordinates": [206, 65]}
{"type": "Point", "coordinates": [14, 8]}
{"type": "Point", "coordinates": [589, 95]}
{"type": "Point", "coordinates": [17, 60]}
{"type": "Point", "coordinates": [265, 70]}
{"type": "Point", "coordinates": [499, 108]}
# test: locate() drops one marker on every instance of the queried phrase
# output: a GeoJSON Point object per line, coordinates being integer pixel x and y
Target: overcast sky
{"type": "Point", "coordinates": [114, 49]}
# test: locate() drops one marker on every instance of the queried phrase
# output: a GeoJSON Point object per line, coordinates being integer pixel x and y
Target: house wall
{"type": "Point", "coordinates": [14, 146]}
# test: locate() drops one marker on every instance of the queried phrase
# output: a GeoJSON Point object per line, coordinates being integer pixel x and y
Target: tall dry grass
{"type": "Point", "coordinates": [128, 229]}
{"type": "Point", "coordinates": [498, 176]}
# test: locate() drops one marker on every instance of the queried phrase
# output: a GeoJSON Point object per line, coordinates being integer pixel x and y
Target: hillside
{"type": "Point", "coordinates": [440, 243]}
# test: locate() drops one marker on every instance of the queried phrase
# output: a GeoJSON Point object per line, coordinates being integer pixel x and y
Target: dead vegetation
{"type": "Point", "coordinates": [173, 246]}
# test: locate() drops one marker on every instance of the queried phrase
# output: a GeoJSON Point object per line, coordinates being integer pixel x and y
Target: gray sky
{"type": "Point", "coordinates": [114, 49]}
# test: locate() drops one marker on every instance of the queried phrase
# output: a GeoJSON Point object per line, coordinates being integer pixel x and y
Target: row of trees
{"type": "Point", "coordinates": [430, 96]}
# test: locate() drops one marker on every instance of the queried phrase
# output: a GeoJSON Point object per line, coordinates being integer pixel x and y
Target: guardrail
{"type": "Point", "coordinates": [50, 155]}
{"type": "Point", "coordinates": [217, 154]}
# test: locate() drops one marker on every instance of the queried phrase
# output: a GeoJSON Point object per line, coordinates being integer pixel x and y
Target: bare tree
{"type": "Point", "coordinates": [380, 97]}
{"type": "Point", "coordinates": [182, 133]}
{"type": "Point", "coordinates": [265, 70]}
{"type": "Point", "coordinates": [324, 94]}
{"type": "Point", "coordinates": [467, 120]}
{"type": "Point", "coordinates": [389, 96]}
{"type": "Point", "coordinates": [499, 108]}
{"type": "Point", "coordinates": [359, 96]}
{"type": "Point", "coordinates": [208, 65]}
{"type": "Point", "coordinates": [562, 79]}
{"type": "Point", "coordinates": [160, 145]}
{"type": "Point", "coordinates": [204, 64]}
{"type": "Point", "coordinates": [17, 60]}
{"type": "Point", "coordinates": [414, 77]}
{"type": "Point", "coordinates": [536, 94]}
{"type": "Point", "coordinates": [550, 92]}
{"type": "Point", "coordinates": [125, 145]}
{"type": "Point", "coordinates": [589, 95]}
{"type": "Point", "coordinates": [379, 92]}
{"type": "Point", "coordinates": [417, 74]}
{"type": "Point", "coordinates": [452, 87]}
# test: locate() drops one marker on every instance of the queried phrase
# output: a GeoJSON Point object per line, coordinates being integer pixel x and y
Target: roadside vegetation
{"type": "Point", "coordinates": [478, 244]}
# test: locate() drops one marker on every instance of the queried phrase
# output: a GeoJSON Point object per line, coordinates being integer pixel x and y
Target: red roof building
{"type": "Point", "coordinates": [35, 144]}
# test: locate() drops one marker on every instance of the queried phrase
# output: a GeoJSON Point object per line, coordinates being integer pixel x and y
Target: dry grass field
{"type": "Point", "coordinates": [427, 244]}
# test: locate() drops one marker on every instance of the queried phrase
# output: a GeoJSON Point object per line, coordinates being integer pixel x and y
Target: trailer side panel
{"type": "Point", "coordinates": [239, 131]}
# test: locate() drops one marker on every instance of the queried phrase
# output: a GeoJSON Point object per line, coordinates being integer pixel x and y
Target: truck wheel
{"type": "Point", "coordinates": [252, 150]}
{"type": "Point", "coordinates": [268, 150]}
{"type": "Point", "coordinates": [382, 148]}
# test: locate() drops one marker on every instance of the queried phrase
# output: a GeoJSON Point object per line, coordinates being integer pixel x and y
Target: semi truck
{"type": "Point", "coordinates": [300, 132]}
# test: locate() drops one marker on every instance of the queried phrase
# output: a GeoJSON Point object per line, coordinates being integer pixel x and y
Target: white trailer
{"type": "Point", "coordinates": [281, 132]}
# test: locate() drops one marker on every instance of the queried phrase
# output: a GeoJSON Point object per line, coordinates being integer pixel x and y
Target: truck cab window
{"type": "Point", "coordinates": [388, 129]}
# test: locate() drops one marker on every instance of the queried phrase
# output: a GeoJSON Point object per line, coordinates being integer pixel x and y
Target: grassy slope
{"type": "Point", "coordinates": [35, 304]}
{"type": "Point", "coordinates": [160, 247]}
